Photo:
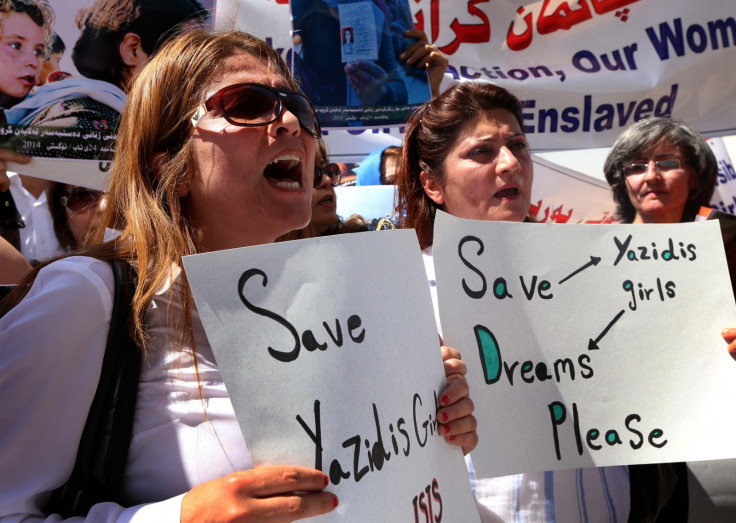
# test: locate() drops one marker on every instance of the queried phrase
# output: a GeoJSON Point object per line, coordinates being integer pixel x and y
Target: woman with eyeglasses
{"type": "Point", "coordinates": [661, 171]}
{"type": "Point", "coordinates": [215, 150]}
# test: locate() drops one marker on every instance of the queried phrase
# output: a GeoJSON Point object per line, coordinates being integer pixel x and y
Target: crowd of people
{"type": "Point", "coordinates": [218, 148]}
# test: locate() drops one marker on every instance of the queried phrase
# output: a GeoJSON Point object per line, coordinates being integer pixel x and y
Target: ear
{"type": "Point", "coordinates": [131, 51]}
{"type": "Point", "coordinates": [432, 187]}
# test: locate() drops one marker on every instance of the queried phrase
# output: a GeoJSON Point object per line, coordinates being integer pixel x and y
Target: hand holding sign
{"type": "Point", "coordinates": [730, 336]}
{"type": "Point", "coordinates": [574, 326]}
{"type": "Point", "coordinates": [368, 79]}
{"type": "Point", "coordinates": [456, 419]}
{"type": "Point", "coordinates": [341, 371]}
{"type": "Point", "coordinates": [277, 494]}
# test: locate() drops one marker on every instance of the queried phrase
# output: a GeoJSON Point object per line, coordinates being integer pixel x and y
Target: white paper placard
{"type": "Point", "coordinates": [633, 312]}
{"type": "Point", "coordinates": [315, 355]}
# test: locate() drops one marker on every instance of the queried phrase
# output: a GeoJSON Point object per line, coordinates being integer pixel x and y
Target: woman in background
{"type": "Point", "coordinates": [661, 171]}
{"type": "Point", "coordinates": [76, 212]}
{"type": "Point", "coordinates": [325, 220]}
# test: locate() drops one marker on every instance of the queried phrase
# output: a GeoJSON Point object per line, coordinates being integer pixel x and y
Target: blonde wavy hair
{"type": "Point", "coordinates": [38, 10]}
{"type": "Point", "coordinates": [143, 199]}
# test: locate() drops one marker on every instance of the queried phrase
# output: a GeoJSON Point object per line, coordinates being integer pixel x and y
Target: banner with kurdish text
{"type": "Point", "coordinates": [585, 68]}
{"type": "Point", "coordinates": [63, 107]}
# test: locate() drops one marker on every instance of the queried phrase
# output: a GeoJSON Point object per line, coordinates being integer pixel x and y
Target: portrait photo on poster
{"type": "Point", "coordinates": [347, 61]}
{"type": "Point", "coordinates": [67, 66]}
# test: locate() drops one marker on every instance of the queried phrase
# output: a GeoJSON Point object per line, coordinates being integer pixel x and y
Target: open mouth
{"type": "Point", "coordinates": [508, 193]}
{"type": "Point", "coordinates": [285, 172]}
{"type": "Point", "coordinates": [28, 79]}
{"type": "Point", "coordinates": [329, 199]}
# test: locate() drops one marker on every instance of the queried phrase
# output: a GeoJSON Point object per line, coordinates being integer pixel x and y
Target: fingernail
{"type": "Point", "coordinates": [402, 56]}
{"type": "Point", "coordinates": [444, 416]}
{"type": "Point", "coordinates": [325, 479]}
{"type": "Point", "coordinates": [451, 438]}
{"type": "Point", "coordinates": [444, 400]}
{"type": "Point", "coordinates": [335, 501]}
{"type": "Point", "coordinates": [447, 428]}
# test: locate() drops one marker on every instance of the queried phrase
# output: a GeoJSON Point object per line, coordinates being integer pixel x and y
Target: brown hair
{"type": "Point", "coordinates": [54, 192]}
{"type": "Point", "coordinates": [104, 24]}
{"type": "Point", "coordinates": [430, 134]}
{"type": "Point", "coordinates": [143, 199]}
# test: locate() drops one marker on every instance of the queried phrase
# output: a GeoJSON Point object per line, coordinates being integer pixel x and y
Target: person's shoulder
{"type": "Point", "coordinates": [71, 287]}
{"type": "Point", "coordinates": [87, 276]}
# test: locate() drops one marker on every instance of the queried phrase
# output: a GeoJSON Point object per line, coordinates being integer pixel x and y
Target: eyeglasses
{"type": "Point", "coordinates": [252, 105]}
{"type": "Point", "coordinates": [80, 199]}
{"type": "Point", "coordinates": [636, 169]}
{"type": "Point", "coordinates": [331, 169]}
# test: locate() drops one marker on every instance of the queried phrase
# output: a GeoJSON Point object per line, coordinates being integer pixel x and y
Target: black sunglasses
{"type": "Point", "coordinates": [332, 170]}
{"type": "Point", "coordinates": [78, 199]}
{"type": "Point", "coordinates": [251, 105]}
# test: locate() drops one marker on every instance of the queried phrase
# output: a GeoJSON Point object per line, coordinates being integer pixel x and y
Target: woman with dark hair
{"type": "Point", "coordinates": [468, 137]}
{"type": "Point", "coordinates": [347, 35]}
{"type": "Point", "coordinates": [196, 169]}
{"type": "Point", "coordinates": [76, 212]}
{"type": "Point", "coordinates": [660, 171]}
{"type": "Point", "coordinates": [465, 152]}
{"type": "Point", "coordinates": [325, 220]}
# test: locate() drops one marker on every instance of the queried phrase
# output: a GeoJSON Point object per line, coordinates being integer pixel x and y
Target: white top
{"type": "Point", "coordinates": [51, 350]}
{"type": "Point", "coordinates": [561, 496]}
{"type": "Point", "coordinates": [37, 238]}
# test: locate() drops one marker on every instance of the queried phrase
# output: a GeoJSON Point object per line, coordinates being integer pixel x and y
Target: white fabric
{"type": "Point", "coordinates": [563, 496]}
{"type": "Point", "coordinates": [23, 113]}
{"type": "Point", "coordinates": [37, 238]}
{"type": "Point", "coordinates": [51, 349]}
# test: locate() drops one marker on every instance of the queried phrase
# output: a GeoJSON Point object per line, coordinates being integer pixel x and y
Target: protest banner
{"type": "Point", "coordinates": [74, 115]}
{"type": "Point", "coordinates": [724, 197]}
{"type": "Point", "coordinates": [586, 69]}
{"type": "Point", "coordinates": [344, 54]}
{"type": "Point", "coordinates": [589, 345]}
{"type": "Point", "coordinates": [338, 370]}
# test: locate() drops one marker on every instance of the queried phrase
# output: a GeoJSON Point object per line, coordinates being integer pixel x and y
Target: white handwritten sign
{"type": "Point", "coordinates": [337, 368]}
{"type": "Point", "coordinates": [589, 345]}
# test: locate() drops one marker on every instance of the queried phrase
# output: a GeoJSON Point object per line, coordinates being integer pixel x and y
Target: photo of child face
{"type": "Point", "coordinates": [22, 46]}
{"type": "Point", "coordinates": [49, 66]}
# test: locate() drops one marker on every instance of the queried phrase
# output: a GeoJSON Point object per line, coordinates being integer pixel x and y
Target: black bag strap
{"type": "Point", "coordinates": [98, 471]}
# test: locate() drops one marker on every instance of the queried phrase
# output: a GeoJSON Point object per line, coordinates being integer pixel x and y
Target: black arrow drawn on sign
{"type": "Point", "coordinates": [593, 343]}
{"type": "Point", "coordinates": [593, 261]}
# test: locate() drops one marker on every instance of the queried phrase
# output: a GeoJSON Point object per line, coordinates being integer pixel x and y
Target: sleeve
{"type": "Point", "coordinates": [51, 349]}
{"type": "Point", "coordinates": [395, 87]}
